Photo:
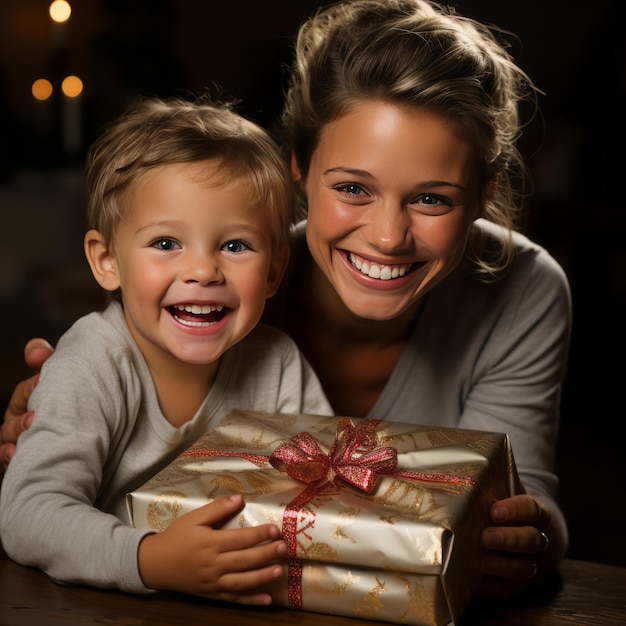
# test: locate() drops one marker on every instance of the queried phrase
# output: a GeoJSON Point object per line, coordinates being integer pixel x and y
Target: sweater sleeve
{"type": "Point", "coordinates": [518, 387]}
{"type": "Point", "coordinates": [48, 518]}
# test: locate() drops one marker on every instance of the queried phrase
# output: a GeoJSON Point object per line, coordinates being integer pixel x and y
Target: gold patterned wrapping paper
{"type": "Point", "coordinates": [406, 552]}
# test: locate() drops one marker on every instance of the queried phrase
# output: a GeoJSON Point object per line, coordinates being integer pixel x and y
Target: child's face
{"type": "Point", "coordinates": [392, 194]}
{"type": "Point", "coordinates": [193, 259]}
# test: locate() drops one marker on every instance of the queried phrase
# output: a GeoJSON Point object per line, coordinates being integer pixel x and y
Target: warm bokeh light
{"type": "Point", "coordinates": [72, 86]}
{"type": "Point", "coordinates": [41, 89]}
{"type": "Point", "coordinates": [60, 11]}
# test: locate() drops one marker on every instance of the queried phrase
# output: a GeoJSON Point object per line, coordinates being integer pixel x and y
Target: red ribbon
{"type": "Point", "coordinates": [355, 457]}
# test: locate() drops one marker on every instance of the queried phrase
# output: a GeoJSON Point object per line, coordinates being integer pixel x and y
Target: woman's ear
{"type": "Point", "coordinates": [278, 266]}
{"type": "Point", "coordinates": [489, 193]}
{"type": "Point", "coordinates": [102, 261]}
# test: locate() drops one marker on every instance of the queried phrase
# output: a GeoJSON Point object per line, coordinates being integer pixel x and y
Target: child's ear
{"type": "Point", "coordinates": [278, 267]}
{"type": "Point", "coordinates": [101, 260]}
{"type": "Point", "coordinates": [295, 169]}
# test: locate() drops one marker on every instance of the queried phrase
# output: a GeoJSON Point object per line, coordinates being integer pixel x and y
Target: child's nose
{"type": "Point", "coordinates": [202, 269]}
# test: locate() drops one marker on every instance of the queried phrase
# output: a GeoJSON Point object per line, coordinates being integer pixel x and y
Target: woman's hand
{"type": "Point", "coordinates": [522, 545]}
{"type": "Point", "coordinates": [17, 418]}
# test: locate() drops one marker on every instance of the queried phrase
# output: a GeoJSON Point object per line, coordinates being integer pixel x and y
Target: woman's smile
{"type": "Point", "coordinates": [381, 271]}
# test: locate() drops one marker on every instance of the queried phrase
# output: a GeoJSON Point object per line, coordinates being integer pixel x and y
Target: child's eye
{"type": "Point", "coordinates": [351, 189]}
{"type": "Point", "coordinates": [235, 247]}
{"type": "Point", "coordinates": [165, 243]}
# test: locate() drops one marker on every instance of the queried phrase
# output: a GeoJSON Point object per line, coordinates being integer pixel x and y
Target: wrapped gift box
{"type": "Point", "coordinates": [382, 519]}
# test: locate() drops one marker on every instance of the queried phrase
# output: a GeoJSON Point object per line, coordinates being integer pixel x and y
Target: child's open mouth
{"type": "Point", "coordinates": [196, 314]}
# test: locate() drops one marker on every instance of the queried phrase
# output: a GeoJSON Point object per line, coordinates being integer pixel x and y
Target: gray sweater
{"type": "Point", "coordinates": [99, 433]}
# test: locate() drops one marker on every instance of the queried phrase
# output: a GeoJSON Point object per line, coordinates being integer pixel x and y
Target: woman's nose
{"type": "Point", "coordinates": [389, 227]}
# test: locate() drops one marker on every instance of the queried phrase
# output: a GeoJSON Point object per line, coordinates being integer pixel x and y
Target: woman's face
{"type": "Point", "coordinates": [392, 193]}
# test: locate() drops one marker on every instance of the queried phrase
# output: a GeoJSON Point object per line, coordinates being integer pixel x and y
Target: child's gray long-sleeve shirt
{"type": "Point", "coordinates": [99, 433]}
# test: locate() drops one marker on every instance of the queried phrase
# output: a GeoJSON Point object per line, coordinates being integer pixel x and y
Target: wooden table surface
{"type": "Point", "coordinates": [583, 594]}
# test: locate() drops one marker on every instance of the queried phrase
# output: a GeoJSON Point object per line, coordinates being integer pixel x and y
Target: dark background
{"type": "Point", "coordinates": [573, 49]}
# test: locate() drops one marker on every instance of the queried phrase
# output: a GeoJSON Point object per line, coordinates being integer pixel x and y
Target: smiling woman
{"type": "Point", "coordinates": [409, 291]}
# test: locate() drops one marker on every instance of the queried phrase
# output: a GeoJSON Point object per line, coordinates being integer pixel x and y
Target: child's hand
{"type": "Point", "coordinates": [195, 556]}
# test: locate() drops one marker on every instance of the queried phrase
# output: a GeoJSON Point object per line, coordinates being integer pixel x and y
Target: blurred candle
{"type": "Point", "coordinates": [72, 118]}
{"type": "Point", "coordinates": [59, 11]}
{"type": "Point", "coordinates": [42, 92]}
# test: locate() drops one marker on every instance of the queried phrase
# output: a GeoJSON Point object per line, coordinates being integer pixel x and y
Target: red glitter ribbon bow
{"type": "Point", "coordinates": [354, 457]}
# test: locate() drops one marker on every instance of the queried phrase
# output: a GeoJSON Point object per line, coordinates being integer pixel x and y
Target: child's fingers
{"type": "Point", "coordinates": [215, 513]}
{"type": "Point", "coordinates": [240, 582]}
{"type": "Point", "coordinates": [259, 540]}
{"type": "Point", "coordinates": [256, 599]}
{"type": "Point", "coordinates": [247, 549]}
{"type": "Point", "coordinates": [205, 518]}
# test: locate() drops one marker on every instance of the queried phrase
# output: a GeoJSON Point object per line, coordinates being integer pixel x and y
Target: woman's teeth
{"type": "Point", "coordinates": [374, 270]}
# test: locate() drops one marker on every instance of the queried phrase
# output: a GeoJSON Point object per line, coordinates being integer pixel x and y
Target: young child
{"type": "Point", "coordinates": [189, 207]}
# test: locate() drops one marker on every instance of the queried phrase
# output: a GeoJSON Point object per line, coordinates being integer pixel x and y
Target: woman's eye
{"type": "Point", "coordinates": [165, 243]}
{"type": "Point", "coordinates": [235, 247]}
{"type": "Point", "coordinates": [433, 204]}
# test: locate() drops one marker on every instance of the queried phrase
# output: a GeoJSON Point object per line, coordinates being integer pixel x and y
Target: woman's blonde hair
{"type": "Point", "coordinates": [154, 132]}
{"type": "Point", "coordinates": [420, 54]}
